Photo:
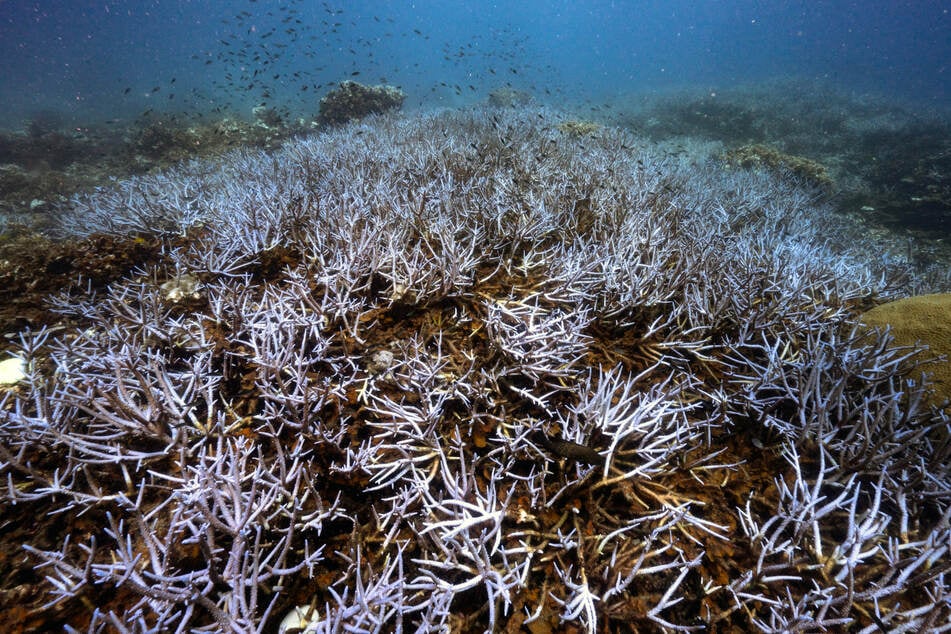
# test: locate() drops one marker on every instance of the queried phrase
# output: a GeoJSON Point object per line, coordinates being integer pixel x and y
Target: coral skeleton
{"type": "Point", "coordinates": [463, 371]}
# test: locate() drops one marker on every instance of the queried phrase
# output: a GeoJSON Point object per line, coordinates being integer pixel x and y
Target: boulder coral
{"type": "Point", "coordinates": [352, 100]}
{"type": "Point", "coordinates": [925, 319]}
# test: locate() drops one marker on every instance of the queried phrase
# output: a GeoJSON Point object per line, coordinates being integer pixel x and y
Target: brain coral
{"type": "Point", "coordinates": [925, 319]}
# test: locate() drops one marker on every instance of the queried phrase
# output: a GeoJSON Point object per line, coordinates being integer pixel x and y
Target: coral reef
{"type": "Point", "coordinates": [268, 117]}
{"type": "Point", "coordinates": [577, 127]}
{"type": "Point", "coordinates": [351, 101]}
{"type": "Point", "coordinates": [463, 372]}
{"type": "Point", "coordinates": [508, 97]}
{"type": "Point", "coordinates": [46, 167]}
{"type": "Point", "coordinates": [890, 164]}
{"type": "Point", "coordinates": [160, 141]}
{"type": "Point", "coordinates": [759, 156]}
{"type": "Point", "coordinates": [33, 267]}
{"type": "Point", "coordinates": [44, 122]}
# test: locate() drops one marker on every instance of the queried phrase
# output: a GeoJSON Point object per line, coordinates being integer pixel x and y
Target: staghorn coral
{"type": "Point", "coordinates": [463, 372]}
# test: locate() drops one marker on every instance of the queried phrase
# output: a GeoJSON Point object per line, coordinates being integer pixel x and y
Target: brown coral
{"type": "Point", "coordinates": [925, 319]}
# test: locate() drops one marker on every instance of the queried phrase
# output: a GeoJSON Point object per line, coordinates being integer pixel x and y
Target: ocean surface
{"type": "Point", "coordinates": [106, 60]}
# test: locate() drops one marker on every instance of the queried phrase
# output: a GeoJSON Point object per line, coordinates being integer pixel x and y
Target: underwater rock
{"type": "Point", "coordinates": [180, 288]}
{"type": "Point", "coordinates": [353, 100]}
{"type": "Point", "coordinates": [12, 370]}
{"type": "Point", "coordinates": [380, 362]}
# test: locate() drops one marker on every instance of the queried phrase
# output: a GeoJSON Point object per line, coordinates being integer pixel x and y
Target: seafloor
{"type": "Point", "coordinates": [481, 370]}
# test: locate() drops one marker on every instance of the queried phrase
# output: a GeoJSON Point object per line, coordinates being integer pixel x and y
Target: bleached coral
{"type": "Point", "coordinates": [621, 388]}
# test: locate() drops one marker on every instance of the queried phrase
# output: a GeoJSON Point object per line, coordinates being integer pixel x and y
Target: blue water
{"type": "Point", "coordinates": [114, 59]}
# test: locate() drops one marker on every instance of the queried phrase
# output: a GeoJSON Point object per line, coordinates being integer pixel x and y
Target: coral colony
{"type": "Point", "coordinates": [465, 372]}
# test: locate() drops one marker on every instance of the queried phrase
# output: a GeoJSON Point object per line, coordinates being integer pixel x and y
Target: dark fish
{"type": "Point", "coordinates": [568, 449]}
